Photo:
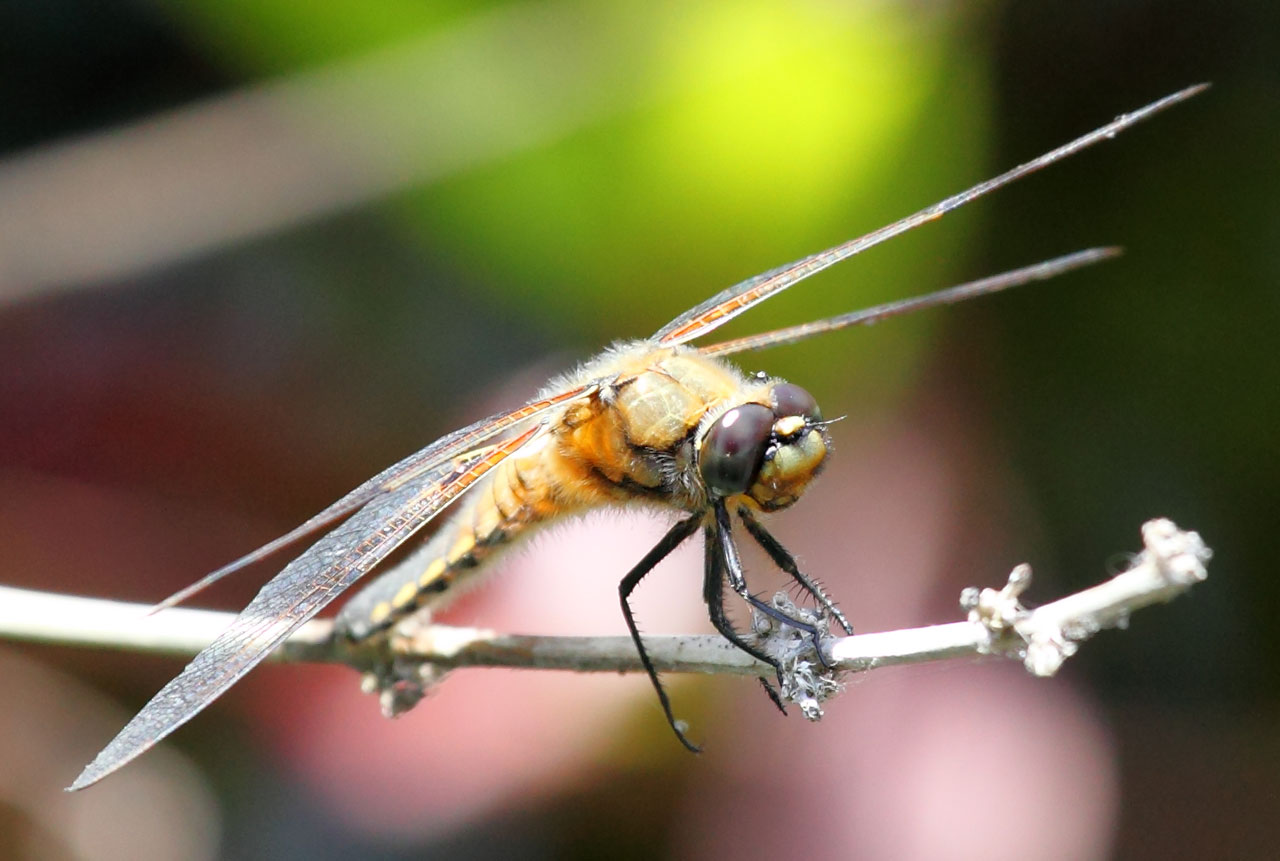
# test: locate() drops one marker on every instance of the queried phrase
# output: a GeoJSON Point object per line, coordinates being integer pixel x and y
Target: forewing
{"type": "Point", "coordinates": [295, 595]}
{"type": "Point", "coordinates": [444, 450]}
{"type": "Point", "coordinates": [729, 303]}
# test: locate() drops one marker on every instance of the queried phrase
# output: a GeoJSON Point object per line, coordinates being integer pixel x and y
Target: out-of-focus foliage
{"type": "Point", "coordinates": [741, 135]}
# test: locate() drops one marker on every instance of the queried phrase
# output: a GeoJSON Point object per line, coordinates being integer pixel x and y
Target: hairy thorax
{"type": "Point", "coordinates": [635, 440]}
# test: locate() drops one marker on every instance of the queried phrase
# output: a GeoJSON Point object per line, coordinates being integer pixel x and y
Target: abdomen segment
{"type": "Point", "coordinates": [520, 494]}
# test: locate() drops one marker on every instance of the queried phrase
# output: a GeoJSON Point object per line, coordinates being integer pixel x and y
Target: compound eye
{"type": "Point", "coordinates": [791, 400]}
{"type": "Point", "coordinates": [733, 449]}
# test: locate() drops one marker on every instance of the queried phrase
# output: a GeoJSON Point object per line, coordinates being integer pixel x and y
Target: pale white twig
{"type": "Point", "coordinates": [998, 624]}
{"type": "Point", "coordinates": [1171, 562]}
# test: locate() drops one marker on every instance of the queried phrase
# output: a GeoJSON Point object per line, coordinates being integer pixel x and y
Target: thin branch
{"type": "Point", "coordinates": [46, 617]}
{"type": "Point", "coordinates": [998, 624]}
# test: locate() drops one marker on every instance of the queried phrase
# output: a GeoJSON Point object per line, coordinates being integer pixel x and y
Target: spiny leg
{"type": "Point", "coordinates": [713, 594]}
{"type": "Point", "coordinates": [738, 579]}
{"type": "Point", "coordinates": [784, 560]}
{"type": "Point", "coordinates": [674, 537]}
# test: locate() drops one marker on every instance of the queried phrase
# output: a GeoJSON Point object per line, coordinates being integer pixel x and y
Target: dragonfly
{"type": "Point", "coordinates": [657, 422]}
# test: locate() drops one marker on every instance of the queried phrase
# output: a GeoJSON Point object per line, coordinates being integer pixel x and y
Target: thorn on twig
{"type": "Point", "coordinates": [998, 610]}
{"type": "Point", "coordinates": [1179, 556]}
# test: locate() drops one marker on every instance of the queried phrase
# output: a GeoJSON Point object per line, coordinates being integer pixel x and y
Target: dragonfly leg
{"type": "Point", "coordinates": [784, 560]}
{"type": "Point", "coordinates": [738, 581]}
{"type": "Point", "coordinates": [674, 538]}
{"type": "Point", "coordinates": [713, 594]}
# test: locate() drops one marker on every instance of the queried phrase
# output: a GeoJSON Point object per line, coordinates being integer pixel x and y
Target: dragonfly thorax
{"type": "Point", "coordinates": [769, 453]}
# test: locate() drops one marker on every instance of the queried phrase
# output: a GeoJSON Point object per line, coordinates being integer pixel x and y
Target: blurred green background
{"type": "Point", "coordinates": [250, 253]}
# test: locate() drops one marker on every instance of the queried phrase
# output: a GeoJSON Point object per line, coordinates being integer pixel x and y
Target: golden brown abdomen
{"type": "Point", "coordinates": [517, 496]}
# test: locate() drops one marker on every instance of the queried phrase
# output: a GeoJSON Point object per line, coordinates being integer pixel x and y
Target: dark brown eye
{"type": "Point", "coordinates": [791, 400]}
{"type": "Point", "coordinates": [734, 448]}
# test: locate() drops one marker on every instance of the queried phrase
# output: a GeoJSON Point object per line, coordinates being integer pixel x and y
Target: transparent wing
{"type": "Point", "coordinates": [867, 316]}
{"type": "Point", "coordinates": [727, 304]}
{"type": "Point", "coordinates": [443, 450]}
{"type": "Point", "coordinates": [295, 595]}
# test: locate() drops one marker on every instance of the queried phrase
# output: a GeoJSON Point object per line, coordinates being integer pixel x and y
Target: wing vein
{"type": "Point", "coordinates": [288, 600]}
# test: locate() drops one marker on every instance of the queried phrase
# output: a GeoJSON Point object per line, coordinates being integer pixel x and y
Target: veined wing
{"type": "Point", "coordinates": [951, 295]}
{"type": "Point", "coordinates": [443, 450]}
{"type": "Point", "coordinates": [727, 304]}
{"type": "Point", "coordinates": [295, 595]}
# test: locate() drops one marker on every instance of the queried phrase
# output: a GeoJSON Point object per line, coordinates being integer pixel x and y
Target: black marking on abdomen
{"type": "Point", "coordinates": [453, 552]}
{"type": "Point", "coordinates": [496, 538]}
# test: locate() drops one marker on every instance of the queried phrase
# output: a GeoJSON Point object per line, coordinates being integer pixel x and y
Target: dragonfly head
{"type": "Point", "coordinates": [768, 452]}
